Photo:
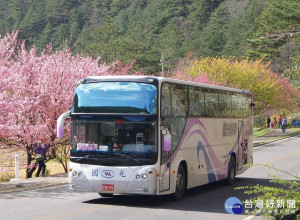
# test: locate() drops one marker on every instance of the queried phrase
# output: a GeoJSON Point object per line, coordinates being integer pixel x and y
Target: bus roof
{"type": "Point", "coordinates": [150, 79]}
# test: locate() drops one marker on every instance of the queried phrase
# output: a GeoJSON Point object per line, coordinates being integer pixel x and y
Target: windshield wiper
{"type": "Point", "coordinates": [127, 156]}
{"type": "Point", "coordinates": [105, 156]}
{"type": "Point", "coordinates": [88, 157]}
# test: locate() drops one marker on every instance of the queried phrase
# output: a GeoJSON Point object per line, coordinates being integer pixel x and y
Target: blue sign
{"type": "Point", "coordinates": [233, 205]}
{"type": "Point", "coordinates": [296, 123]}
{"type": "Point", "coordinates": [108, 173]}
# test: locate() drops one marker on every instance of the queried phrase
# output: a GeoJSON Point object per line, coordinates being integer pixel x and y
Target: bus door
{"type": "Point", "coordinates": [240, 144]}
{"type": "Point", "coordinates": [165, 169]}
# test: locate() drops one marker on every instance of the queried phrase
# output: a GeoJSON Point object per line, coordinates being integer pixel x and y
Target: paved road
{"type": "Point", "coordinates": [283, 154]}
{"type": "Point", "coordinates": [205, 202]}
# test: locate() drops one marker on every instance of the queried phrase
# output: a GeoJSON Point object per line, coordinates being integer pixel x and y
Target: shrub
{"type": "Point", "coordinates": [6, 177]}
{"type": "Point", "coordinates": [282, 200]}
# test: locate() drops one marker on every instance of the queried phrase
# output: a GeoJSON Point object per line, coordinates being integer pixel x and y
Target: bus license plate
{"type": "Point", "coordinates": [108, 187]}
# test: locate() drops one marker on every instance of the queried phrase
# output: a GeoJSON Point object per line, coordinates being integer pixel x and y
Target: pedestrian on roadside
{"type": "Point", "coordinates": [279, 122]}
{"type": "Point", "coordinates": [268, 122]}
{"type": "Point", "coordinates": [284, 123]}
{"type": "Point", "coordinates": [40, 151]}
{"type": "Point", "coordinates": [275, 122]}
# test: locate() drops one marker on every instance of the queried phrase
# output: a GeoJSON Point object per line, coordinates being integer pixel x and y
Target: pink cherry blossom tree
{"type": "Point", "coordinates": [36, 89]}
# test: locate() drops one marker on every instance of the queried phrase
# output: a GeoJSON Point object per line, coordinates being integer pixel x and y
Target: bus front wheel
{"type": "Point", "coordinates": [180, 183]}
{"type": "Point", "coordinates": [231, 171]}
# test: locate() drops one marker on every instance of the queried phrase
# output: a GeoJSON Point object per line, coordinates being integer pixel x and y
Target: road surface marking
{"type": "Point", "coordinates": [249, 217]}
{"type": "Point", "coordinates": [75, 212]}
{"type": "Point", "coordinates": [276, 159]}
{"type": "Point", "coordinates": [283, 157]}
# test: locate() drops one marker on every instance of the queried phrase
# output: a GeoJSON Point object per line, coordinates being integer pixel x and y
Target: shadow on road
{"type": "Point", "coordinates": [207, 198]}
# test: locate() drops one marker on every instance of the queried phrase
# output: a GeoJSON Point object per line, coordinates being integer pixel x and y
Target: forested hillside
{"type": "Point", "coordinates": [141, 30]}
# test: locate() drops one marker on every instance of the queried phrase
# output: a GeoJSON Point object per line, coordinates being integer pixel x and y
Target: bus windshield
{"type": "Point", "coordinates": [116, 97]}
{"type": "Point", "coordinates": [114, 140]}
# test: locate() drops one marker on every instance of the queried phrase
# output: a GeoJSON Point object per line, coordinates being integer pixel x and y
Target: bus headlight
{"type": "Point", "coordinates": [145, 175]}
{"type": "Point", "coordinates": [80, 174]}
{"type": "Point", "coordinates": [74, 173]}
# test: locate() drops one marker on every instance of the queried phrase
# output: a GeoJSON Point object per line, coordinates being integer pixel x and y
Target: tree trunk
{"type": "Point", "coordinates": [29, 172]}
{"type": "Point", "coordinates": [30, 168]}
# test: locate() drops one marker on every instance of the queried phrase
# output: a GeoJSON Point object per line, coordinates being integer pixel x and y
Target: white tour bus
{"type": "Point", "coordinates": [155, 136]}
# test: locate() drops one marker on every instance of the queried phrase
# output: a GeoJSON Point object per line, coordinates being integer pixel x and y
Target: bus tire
{"type": "Point", "coordinates": [180, 183]}
{"type": "Point", "coordinates": [231, 171]}
{"type": "Point", "coordinates": [106, 195]}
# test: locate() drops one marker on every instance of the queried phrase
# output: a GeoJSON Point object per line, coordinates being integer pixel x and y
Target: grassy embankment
{"type": "Point", "coordinates": [272, 135]}
{"type": "Point", "coordinates": [258, 132]}
{"type": "Point", "coordinates": [7, 162]}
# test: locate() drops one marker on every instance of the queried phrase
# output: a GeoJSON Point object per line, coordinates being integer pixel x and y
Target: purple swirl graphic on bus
{"type": "Point", "coordinates": [214, 165]}
{"type": "Point", "coordinates": [209, 167]}
{"type": "Point", "coordinates": [211, 159]}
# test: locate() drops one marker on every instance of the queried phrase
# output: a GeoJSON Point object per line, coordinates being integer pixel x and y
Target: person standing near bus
{"type": "Point", "coordinates": [268, 122]}
{"type": "Point", "coordinates": [284, 123]}
{"type": "Point", "coordinates": [279, 122]}
{"type": "Point", "coordinates": [41, 149]}
{"type": "Point", "coordinates": [275, 122]}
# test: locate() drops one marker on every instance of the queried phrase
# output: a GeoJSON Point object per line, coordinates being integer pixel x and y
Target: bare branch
{"type": "Point", "coordinates": [277, 37]}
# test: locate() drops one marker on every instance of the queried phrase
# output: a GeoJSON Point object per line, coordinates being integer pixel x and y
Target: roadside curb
{"type": "Point", "coordinates": [33, 183]}
{"type": "Point", "coordinates": [20, 187]}
{"type": "Point", "coordinates": [273, 140]}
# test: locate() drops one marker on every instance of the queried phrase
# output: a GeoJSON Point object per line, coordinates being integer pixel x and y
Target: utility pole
{"type": "Point", "coordinates": [162, 63]}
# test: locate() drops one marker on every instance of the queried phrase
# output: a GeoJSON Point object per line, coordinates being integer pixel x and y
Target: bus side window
{"type": "Point", "coordinates": [196, 97]}
{"type": "Point", "coordinates": [225, 105]}
{"type": "Point", "coordinates": [247, 106]}
{"type": "Point", "coordinates": [237, 105]}
{"type": "Point", "coordinates": [165, 100]}
{"type": "Point", "coordinates": [211, 103]}
{"type": "Point", "coordinates": [179, 101]}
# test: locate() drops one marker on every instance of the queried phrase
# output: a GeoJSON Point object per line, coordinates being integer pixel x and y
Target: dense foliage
{"type": "Point", "coordinates": [142, 29]}
{"type": "Point", "coordinates": [270, 91]}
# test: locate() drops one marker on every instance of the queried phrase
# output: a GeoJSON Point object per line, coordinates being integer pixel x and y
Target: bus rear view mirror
{"type": "Point", "coordinates": [60, 124]}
